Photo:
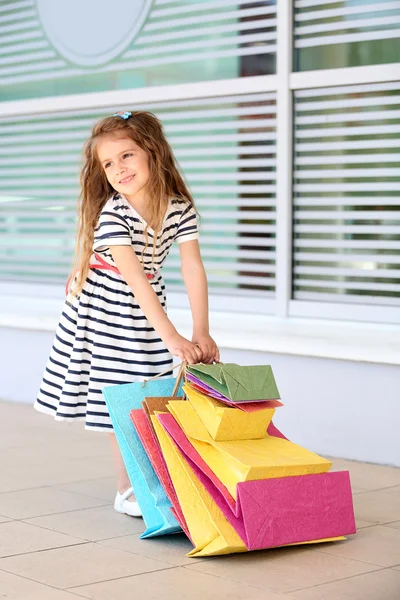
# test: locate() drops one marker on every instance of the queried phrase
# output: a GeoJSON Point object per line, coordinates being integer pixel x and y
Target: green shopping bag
{"type": "Point", "coordinates": [236, 382]}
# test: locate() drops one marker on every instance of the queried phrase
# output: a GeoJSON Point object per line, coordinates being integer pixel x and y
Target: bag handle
{"type": "Point", "coordinates": [181, 373]}
{"type": "Point", "coordinates": [179, 377]}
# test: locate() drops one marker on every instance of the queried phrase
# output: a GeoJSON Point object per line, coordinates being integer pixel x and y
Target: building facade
{"type": "Point", "coordinates": [285, 119]}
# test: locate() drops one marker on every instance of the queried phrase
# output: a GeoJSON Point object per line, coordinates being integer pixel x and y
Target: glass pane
{"type": "Point", "coordinates": [226, 149]}
{"type": "Point", "coordinates": [52, 48]}
{"type": "Point", "coordinates": [346, 194]}
{"type": "Point", "coordinates": [347, 33]}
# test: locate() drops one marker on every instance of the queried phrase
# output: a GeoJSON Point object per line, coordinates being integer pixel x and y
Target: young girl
{"type": "Point", "coordinates": [114, 328]}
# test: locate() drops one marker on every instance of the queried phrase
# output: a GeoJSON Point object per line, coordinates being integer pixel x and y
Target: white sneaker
{"type": "Point", "coordinates": [122, 504]}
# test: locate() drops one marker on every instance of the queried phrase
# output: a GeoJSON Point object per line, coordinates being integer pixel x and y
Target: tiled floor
{"type": "Point", "coordinates": [60, 539]}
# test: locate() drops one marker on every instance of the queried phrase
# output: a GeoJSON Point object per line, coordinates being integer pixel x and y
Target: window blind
{"type": "Point", "coordinates": [72, 43]}
{"type": "Point", "coordinates": [225, 148]}
{"type": "Point", "coordinates": [325, 22]}
{"type": "Point", "coordinates": [346, 194]}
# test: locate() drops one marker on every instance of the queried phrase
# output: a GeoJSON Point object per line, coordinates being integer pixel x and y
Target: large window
{"type": "Point", "coordinates": [284, 116]}
{"type": "Point", "coordinates": [52, 48]}
{"type": "Point", "coordinates": [346, 194]}
{"type": "Point", "coordinates": [346, 33]}
{"type": "Point", "coordinates": [226, 149]}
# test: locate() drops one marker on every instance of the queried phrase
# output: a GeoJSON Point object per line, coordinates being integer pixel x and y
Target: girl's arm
{"type": "Point", "coordinates": [134, 275]}
{"type": "Point", "coordinates": [195, 280]}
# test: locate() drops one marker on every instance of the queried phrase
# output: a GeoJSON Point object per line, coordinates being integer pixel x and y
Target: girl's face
{"type": "Point", "coordinates": [126, 166]}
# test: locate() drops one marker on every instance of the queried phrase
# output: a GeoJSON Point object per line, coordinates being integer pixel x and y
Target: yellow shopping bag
{"type": "Point", "coordinates": [209, 529]}
{"type": "Point", "coordinates": [228, 424]}
{"type": "Point", "coordinates": [246, 460]}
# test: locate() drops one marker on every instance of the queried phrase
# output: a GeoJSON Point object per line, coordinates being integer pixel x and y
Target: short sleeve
{"type": "Point", "coordinates": [111, 230]}
{"type": "Point", "coordinates": [187, 228]}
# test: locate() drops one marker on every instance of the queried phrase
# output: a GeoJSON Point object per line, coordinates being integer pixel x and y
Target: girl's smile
{"type": "Point", "coordinates": [125, 165]}
{"type": "Point", "coordinates": [127, 179]}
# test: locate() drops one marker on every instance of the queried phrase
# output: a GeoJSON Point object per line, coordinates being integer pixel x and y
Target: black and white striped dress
{"type": "Point", "coordinates": [103, 338]}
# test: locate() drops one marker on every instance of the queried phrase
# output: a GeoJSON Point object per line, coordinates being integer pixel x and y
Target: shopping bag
{"type": "Point", "coordinates": [238, 383]}
{"type": "Point", "coordinates": [224, 423]}
{"type": "Point", "coordinates": [151, 405]}
{"type": "Point", "coordinates": [276, 512]}
{"type": "Point", "coordinates": [210, 531]}
{"type": "Point", "coordinates": [246, 406]}
{"type": "Point", "coordinates": [152, 499]}
{"type": "Point", "coordinates": [246, 460]}
{"type": "Point", "coordinates": [144, 429]}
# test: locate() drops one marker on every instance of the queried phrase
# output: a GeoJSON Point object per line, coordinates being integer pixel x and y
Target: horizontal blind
{"type": "Point", "coordinates": [346, 194]}
{"type": "Point", "coordinates": [326, 22]}
{"type": "Point", "coordinates": [226, 149]}
{"type": "Point", "coordinates": [35, 47]}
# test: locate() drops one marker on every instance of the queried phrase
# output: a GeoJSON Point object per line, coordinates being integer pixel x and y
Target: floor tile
{"type": "Point", "coordinates": [33, 430]}
{"type": "Point", "coordinates": [174, 584]}
{"type": "Point", "coordinates": [4, 519]}
{"type": "Point", "coordinates": [104, 488]}
{"type": "Point", "coordinates": [380, 585]}
{"type": "Point", "coordinates": [98, 554]}
{"type": "Point", "coordinates": [80, 565]}
{"type": "Point", "coordinates": [89, 447]}
{"type": "Point", "coordinates": [18, 538]}
{"type": "Point", "coordinates": [368, 476]}
{"type": "Point", "coordinates": [282, 570]}
{"type": "Point", "coordinates": [171, 549]}
{"type": "Point", "coordinates": [43, 501]}
{"type": "Point", "coordinates": [23, 473]}
{"type": "Point", "coordinates": [13, 587]}
{"type": "Point", "coordinates": [376, 545]}
{"type": "Point", "coordinates": [356, 490]}
{"type": "Point", "coordinates": [362, 524]}
{"type": "Point", "coordinates": [393, 525]}
{"type": "Point", "coordinates": [382, 506]}
{"type": "Point", "coordinates": [91, 524]}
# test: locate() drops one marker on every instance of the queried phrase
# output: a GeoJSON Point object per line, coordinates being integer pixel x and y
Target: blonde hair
{"type": "Point", "coordinates": [164, 182]}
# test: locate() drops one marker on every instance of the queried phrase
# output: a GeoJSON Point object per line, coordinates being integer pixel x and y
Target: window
{"type": "Point", "coordinates": [52, 48]}
{"type": "Point", "coordinates": [346, 194]}
{"type": "Point", "coordinates": [346, 33]}
{"type": "Point", "coordinates": [320, 239]}
{"type": "Point", "coordinates": [226, 148]}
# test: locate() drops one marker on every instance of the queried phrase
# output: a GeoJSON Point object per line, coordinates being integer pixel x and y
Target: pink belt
{"type": "Point", "coordinates": [102, 264]}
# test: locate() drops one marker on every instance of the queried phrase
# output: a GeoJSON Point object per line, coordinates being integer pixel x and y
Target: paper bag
{"type": "Point", "coordinates": [276, 512]}
{"type": "Point", "coordinates": [246, 406]}
{"type": "Point", "coordinates": [153, 502]}
{"type": "Point", "coordinates": [233, 462]}
{"type": "Point", "coordinates": [224, 423]}
{"type": "Point", "coordinates": [210, 532]}
{"type": "Point", "coordinates": [145, 431]}
{"type": "Point", "coordinates": [238, 383]}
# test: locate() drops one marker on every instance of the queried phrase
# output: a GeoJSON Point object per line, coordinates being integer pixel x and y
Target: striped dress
{"type": "Point", "coordinates": [103, 337]}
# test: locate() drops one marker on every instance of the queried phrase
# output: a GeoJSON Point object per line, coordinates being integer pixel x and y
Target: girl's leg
{"type": "Point", "coordinates": [123, 482]}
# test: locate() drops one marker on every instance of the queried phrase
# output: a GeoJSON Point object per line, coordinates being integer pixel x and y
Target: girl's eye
{"type": "Point", "coordinates": [123, 156]}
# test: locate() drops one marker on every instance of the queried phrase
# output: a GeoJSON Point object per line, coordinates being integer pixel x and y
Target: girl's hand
{"type": "Point", "coordinates": [184, 349]}
{"type": "Point", "coordinates": [209, 348]}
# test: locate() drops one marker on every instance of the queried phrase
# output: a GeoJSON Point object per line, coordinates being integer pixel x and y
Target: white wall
{"type": "Point", "coordinates": [338, 408]}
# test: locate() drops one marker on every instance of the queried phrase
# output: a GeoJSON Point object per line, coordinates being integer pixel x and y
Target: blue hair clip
{"type": "Point", "coordinates": [124, 115]}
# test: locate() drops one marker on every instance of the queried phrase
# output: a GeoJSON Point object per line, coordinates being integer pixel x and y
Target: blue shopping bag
{"type": "Point", "coordinates": [150, 494]}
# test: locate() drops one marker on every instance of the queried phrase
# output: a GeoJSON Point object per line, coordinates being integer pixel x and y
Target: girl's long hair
{"type": "Point", "coordinates": [164, 182]}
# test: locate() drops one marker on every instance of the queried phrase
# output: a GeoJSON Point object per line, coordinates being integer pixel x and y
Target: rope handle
{"type": "Point", "coordinates": [179, 377]}
{"type": "Point", "coordinates": [181, 372]}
